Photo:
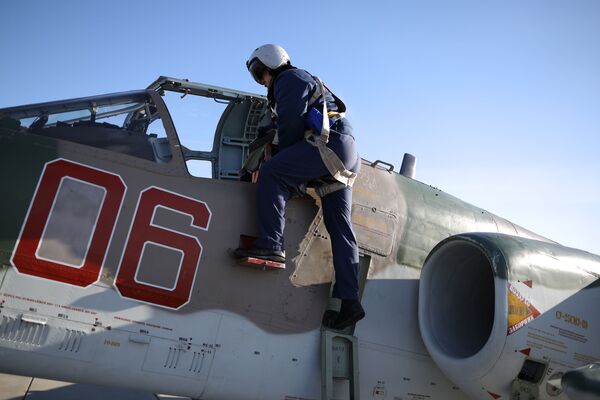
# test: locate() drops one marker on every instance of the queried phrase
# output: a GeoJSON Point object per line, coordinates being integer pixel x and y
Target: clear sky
{"type": "Point", "coordinates": [499, 101]}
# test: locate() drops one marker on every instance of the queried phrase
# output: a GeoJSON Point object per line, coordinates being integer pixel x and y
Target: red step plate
{"type": "Point", "coordinates": [261, 264]}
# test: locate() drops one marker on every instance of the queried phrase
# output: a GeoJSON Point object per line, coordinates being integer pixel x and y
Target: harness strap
{"type": "Point", "coordinates": [319, 92]}
{"type": "Point", "coordinates": [315, 97]}
{"type": "Point", "coordinates": [334, 165]}
{"type": "Point", "coordinates": [329, 188]}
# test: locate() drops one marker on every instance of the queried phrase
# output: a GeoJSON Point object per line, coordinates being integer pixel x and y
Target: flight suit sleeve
{"type": "Point", "coordinates": [292, 94]}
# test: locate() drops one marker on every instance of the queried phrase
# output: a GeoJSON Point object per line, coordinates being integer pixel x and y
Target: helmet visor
{"type": "Point", "coordinates": [257, 70]}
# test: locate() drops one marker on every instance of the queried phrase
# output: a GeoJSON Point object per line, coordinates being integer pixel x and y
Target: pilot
{"type": "Point", "coordinates": [293, 94]}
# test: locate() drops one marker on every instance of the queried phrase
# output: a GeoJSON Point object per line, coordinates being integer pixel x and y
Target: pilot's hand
{"type": "Point", "coordinates": [266, 130]}
{"type": "Point", "coordinates": [260, 141]}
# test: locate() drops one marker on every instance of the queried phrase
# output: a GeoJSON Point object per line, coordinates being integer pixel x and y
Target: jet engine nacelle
{"type": "Point", "coordinates": [496, 309]}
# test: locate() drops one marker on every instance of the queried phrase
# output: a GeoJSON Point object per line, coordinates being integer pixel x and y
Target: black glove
{"type": "Point", "coordinates": [261, 140]}
{"type": "Point", "coordinates": [266, 129]}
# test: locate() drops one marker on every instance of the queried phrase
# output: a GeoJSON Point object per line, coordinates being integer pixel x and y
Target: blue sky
{"type": "Point", "coordinates": [499, 101]}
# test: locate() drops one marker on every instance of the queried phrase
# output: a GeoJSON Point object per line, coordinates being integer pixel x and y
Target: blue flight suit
{"type": "Point", "coordinates": [298, 162]}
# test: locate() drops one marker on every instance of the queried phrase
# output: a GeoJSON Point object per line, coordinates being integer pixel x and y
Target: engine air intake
{"type": "Point", "coordinates": [459, 299]}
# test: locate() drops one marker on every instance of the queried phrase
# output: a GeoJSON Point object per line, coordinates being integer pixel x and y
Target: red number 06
{"type": "Point", "coordinates": [144, 231]}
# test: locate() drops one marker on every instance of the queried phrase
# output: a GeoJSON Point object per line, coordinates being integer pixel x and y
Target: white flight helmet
{"type": "Point", "coordinates": [269, 56]}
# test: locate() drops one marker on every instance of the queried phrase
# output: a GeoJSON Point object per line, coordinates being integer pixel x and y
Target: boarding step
{"type": "Point", "coordinates": [339, 361]}
{"type": "Point", "coordinates": [247, 242]}
{"type": "Point", "coordinates": [260, 264]}
{"type": "Point", "coordinates": [339, 348]}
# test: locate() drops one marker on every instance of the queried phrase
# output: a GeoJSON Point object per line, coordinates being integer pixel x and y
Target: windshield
{"type": "Point", "coordinates": [128, 123]}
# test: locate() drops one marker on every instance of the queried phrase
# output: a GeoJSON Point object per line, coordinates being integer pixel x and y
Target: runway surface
{"type": "Point", "coordinates": [13, 387]}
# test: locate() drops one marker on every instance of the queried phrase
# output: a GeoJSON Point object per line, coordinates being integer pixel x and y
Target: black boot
{"type": "Point", "coordinates": [329, 318]}
{"type": "Point", "coordinates": [263, 254]}
{"type": "Point", "coordinates": [350, 313]}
